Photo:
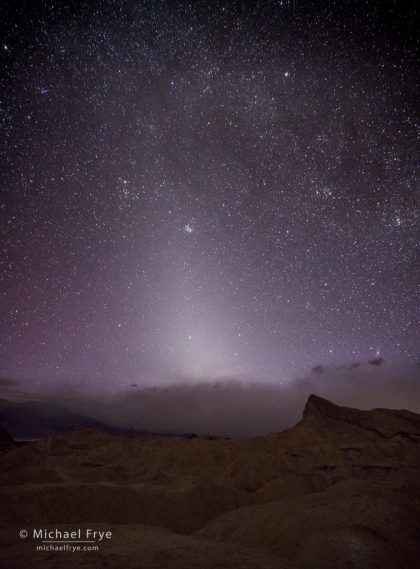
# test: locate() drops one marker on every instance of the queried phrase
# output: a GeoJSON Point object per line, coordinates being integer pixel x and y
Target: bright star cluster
{"type": "Point", "coordinates": [205, 189]}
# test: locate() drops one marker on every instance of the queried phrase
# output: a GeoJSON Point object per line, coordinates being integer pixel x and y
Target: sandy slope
{"type": "Point", "coordinates": [338, 490]}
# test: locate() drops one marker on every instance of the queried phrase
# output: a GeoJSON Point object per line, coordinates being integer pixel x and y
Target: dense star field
{"type": "Point", "coordinates": [205, 189]}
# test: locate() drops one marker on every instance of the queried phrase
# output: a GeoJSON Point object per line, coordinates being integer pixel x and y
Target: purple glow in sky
{"type": "Point", "coordinates": [205, 189]}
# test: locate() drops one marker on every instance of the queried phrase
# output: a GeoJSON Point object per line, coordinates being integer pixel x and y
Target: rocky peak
{"type": "Point", "coordinates": [385, 422]}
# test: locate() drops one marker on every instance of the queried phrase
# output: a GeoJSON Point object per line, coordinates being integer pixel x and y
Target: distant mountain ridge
{"type": "Point", "coordinates": [38, 419]}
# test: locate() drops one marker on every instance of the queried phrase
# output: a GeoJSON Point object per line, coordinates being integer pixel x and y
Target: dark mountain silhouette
{"type": "Point", "coordinates": [340, 489]}
{"type": "Point", "coordinates": [37, 419]}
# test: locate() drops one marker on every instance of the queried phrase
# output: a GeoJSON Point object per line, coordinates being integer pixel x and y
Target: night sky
{"type": "Point", "coordinates": [205, 189]}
